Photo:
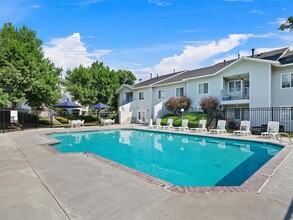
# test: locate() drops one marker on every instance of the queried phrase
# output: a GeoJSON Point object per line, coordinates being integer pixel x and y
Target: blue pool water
{"type": "Point", "coordinates": [184, 160]}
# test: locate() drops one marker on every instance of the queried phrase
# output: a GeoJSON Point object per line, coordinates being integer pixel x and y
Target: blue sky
{"type": "Point", "coordinates": [155, 36]}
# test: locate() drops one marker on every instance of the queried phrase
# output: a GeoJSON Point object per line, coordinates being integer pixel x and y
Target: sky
{"type": "Point", "coordinates": [151, 36]}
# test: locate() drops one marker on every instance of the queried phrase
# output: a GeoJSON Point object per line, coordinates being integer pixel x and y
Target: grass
{"type": "Point", "coordinates": [193, 119]}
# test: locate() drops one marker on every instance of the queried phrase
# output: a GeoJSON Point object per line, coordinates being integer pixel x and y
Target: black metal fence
{"type": "Point", "coordinates": [20, 119]}
{"type": "Point", "coordinates": [259, 118]}
{"type": "Point", "coordinates": [12, 120]}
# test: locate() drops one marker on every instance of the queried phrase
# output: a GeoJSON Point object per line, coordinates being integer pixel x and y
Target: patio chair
{"type": "Point", "coordinates": [169, 124]}
{"type": "Point", "coordinates": [272, 130]}
{"type": "Point", "coordinates": [201, 126]}
{"type": "Point", "coordinates": [158, 123]}
{"type": "Point", "coordinates": [184, 125]}
{"type": "Point", "coordinates": [150, 125]}
{"type": "Point", "coordinates": [220, 127]}
{"type": "Point", "coordinates": [244, 128]}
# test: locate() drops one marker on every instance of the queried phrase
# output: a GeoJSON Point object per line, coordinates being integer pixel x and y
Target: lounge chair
{"type": "Point", "coordinates": [169, 124]}
{"type": "Point", "coordinates": [272, 130]}
{"type": "Point", "coordinates": [244, 128]}
{"type": "Point", "coordinates": [184, 125]}
{"type": "Point", "coordinates": [158, 123]}
{"type": "Point", "coordinates": [220, 127]}
{"type": "Point", "coordinates": [201, 126]}
{"type": "Point", "coordinates": [150, 125]}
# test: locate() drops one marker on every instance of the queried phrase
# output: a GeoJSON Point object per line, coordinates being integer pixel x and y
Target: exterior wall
{"type": "Point", "coordinates": [158, 105]}
{"type": "Point", "coordinates": [260, 78]}
{"type": "Point", "coordinates": [214, 89]}
{"type": "Point", "coordinates": [121, 95]}
{"type": "Point", "coordinates": [281, 97]}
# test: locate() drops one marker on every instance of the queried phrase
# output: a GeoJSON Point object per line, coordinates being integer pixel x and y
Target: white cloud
{"type": "Point", "coordinates": [70, 52]}
{"type": "Point", "coordinates": [160, 2]}
{"type": "Point", "coordinates": [245, 53]}
{"type": "Point", "coordinates": [256, 12]}
{"type": "Point", "coordinates": [192, 56]}
{"type": "Point", "coordinates": [278, 21]}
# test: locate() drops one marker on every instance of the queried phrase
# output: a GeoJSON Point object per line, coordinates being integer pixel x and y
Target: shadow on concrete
{"type": "Point", "coordinates": [289, 213]}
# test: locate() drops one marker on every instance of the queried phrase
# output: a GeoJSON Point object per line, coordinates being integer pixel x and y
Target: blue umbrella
{"type": "Point", "coordinates": [67, 105]}
{"type": "Point", "coordinates": [100, 106]}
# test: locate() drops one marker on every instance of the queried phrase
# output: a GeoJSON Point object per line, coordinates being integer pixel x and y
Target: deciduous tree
{"type": "Point", "coordinates": [25, 74]}
{"type": "Point", "coordinates": [288, 25]}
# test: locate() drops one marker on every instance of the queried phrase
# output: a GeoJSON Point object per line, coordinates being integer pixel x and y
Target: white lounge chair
{"type": "Point", "coordinates": [220, 127]}
{"type": "Point", "coordinates": [201, 126]}
{"type": "Point", "coordinates": [184, 125]}
{"type": "Point", "coordinates": [150, 125]}
{"type": "Point", "coordinates": [158, 123]}
{"type": "Point", "coordinates": [169, 124]}
{"type": "Point", "coordinates": [272, 130]}
{"type": "Point", "coordinates": [244, 128]}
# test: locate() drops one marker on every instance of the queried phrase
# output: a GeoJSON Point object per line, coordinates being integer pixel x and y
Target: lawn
{"type": "Point", "coordinates": [193, 119]}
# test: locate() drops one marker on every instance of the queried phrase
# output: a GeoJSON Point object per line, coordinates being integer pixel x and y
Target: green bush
{"type": "Point", "coordinates": [193, 119]}
{"type": "Point", "coordinates": [86, 118]}
{"type": "Point", "coordinates": [61, 119]}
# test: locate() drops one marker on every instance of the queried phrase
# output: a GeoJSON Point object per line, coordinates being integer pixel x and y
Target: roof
{"type": "Point", "coordinates": [287, 58]}
{"type": "Point", "coordinates": [198, 72]}
{"type": "Point", "coordinates": [283, 55]}
{"type": "Point", "coordinates": [155, 80]}
{"type": "Point", "coordinates": [273, 55]}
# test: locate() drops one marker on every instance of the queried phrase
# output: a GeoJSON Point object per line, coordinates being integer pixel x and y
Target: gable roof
{"type": "Point", "coordinates": [272, 55]}
{"type": "Point", "coordinates": [287, 58]}
{"type": "Point", "coordinates": [157, 79]}
{"type": "Point", "coordinates": [283, 55]}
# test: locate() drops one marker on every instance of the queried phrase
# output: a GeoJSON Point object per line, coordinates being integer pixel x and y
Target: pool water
{"type": "Point", "coordinates": [184, 160]}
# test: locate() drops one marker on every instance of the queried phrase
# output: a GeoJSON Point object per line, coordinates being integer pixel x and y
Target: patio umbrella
{"type": "Point", "coordinates": [67, 105]}
{"type": "Point", "coordinates": [100, 106]}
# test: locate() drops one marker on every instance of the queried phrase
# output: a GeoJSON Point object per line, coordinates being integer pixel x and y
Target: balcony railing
{"type": "Point", "coordinates": [125, 101]}
{"type": "Point", "coordinates": [236, 95]}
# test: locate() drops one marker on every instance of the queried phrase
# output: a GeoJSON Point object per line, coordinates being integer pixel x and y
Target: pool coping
{"type": "Point", "coordinates": [253, 184]}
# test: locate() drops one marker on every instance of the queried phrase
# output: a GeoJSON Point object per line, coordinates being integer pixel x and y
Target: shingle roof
{"type": "Point", "coordinates": [274, 55]}
{"type": "Point", "coordinates": [198, 72]}
{"type": "Point", "coordinates": [156, 79]}
{"type": "Point", "coordinates": [288, 58]}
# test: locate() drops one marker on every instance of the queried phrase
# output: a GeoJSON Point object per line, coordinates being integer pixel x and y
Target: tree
{"type": "Point", "coordinates": [97, 83]}
{"type": "Point", "coordinates": [288, 25]}
{"type": "Point", "coordinates": [209, 105]}
{"type": "Point", "coordinates": [25, 75]}
{"type": "Point", "coordinates": [175, 105]}
{"type": "Point", "coordinates": [126, 77]}
{"type": "Point", "coordinates": [4, 99]}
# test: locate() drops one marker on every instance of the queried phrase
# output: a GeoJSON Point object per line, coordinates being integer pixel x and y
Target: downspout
{"type": "Point", "coordinates": [151, 102]}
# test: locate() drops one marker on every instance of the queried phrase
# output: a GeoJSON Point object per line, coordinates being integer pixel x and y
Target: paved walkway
{"type": "Point", "coordinates": [38, 184]}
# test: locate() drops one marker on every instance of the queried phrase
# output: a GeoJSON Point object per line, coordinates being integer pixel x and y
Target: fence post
{"type": "Point", "coordinates": [272, 110]}
{"type": "Point", "coordinates": [3, 121]}
{"type": "Point", "coordinates": [37, 114]}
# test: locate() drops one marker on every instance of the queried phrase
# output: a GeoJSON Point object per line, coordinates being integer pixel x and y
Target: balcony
{"type": "Point", "coordinates": [236, 97]}
{"type": "Point", "coordinates": [125, 101]}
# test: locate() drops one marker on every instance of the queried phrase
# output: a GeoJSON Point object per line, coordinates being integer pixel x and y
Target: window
{"type": "Point", "coordinates": [180, 91]}
{"type": "Point", "coordinates": [287, 80]}
{"type": "Point", "coordinates": [234, 86]}
{"type": "Point", "coordinates": [161, 94]}
{"type": "Point", "coordinates": [141, 96]}
{"type": "Point", "coordinates": [203, 88]}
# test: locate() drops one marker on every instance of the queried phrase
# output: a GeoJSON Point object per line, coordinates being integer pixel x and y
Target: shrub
{"type": "Point", "coordinates": [209, 105]}
{"type": "Point", "coordinates": [174, 105]}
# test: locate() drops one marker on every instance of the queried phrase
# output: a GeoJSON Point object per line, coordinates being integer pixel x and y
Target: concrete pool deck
{"type": "Point", "coordinates": [36, 183]}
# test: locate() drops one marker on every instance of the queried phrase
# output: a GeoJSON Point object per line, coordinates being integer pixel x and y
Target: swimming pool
{"type": "Point", "coordinates": [184, 160]}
